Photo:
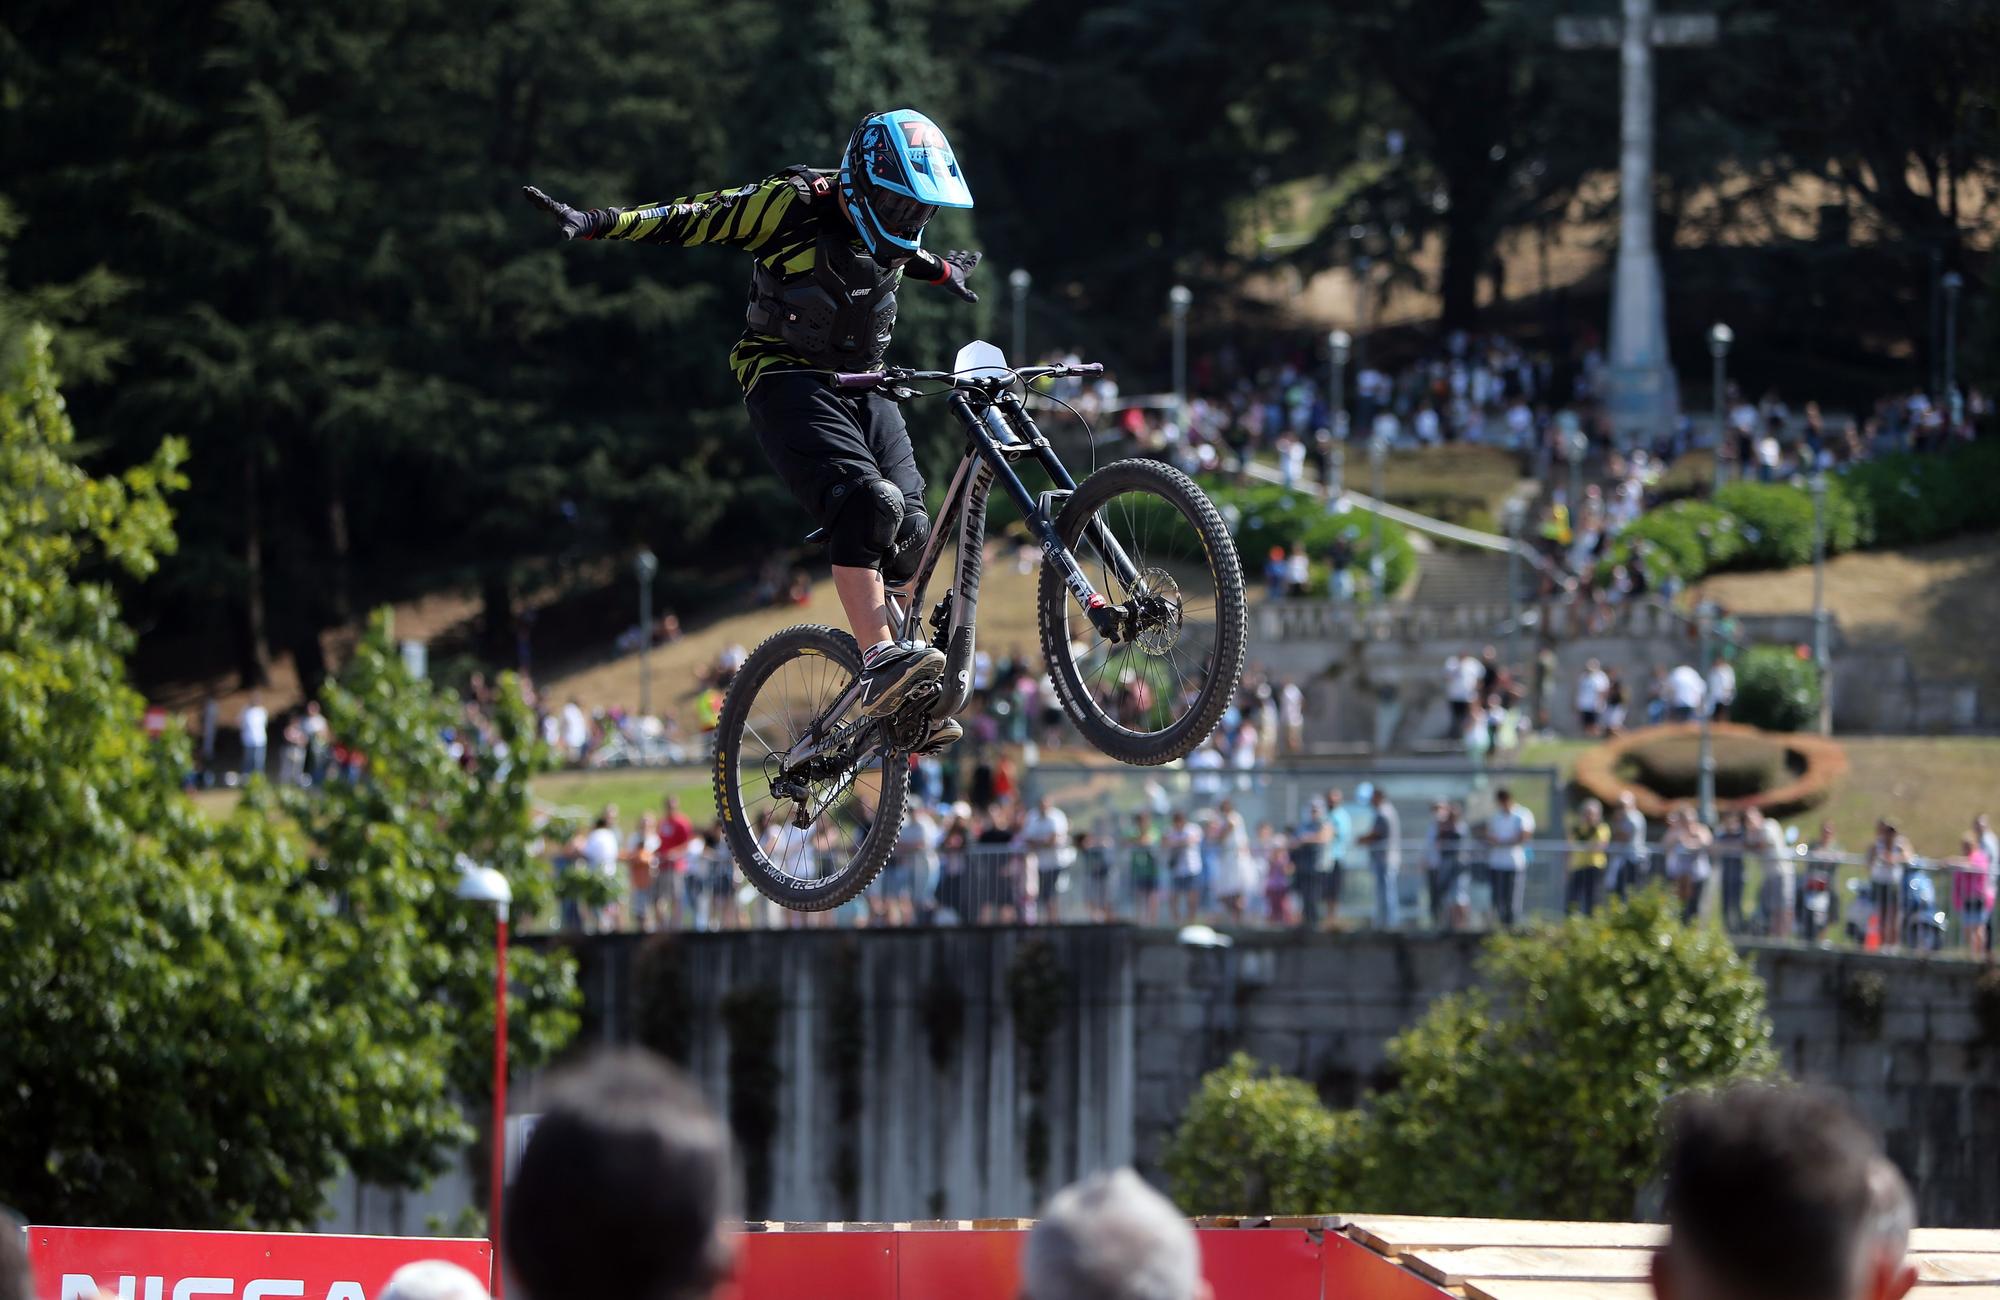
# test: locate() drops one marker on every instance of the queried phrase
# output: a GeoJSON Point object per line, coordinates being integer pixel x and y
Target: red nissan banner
{"type": "Point", "coordinates": [1265, 1263]}
{"type": "Point", "coordinates": [147, 1264]}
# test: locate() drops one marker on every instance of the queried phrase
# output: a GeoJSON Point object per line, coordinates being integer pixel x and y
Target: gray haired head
{"type": "Point", "coordinates": [432, 1279]}
{"type": "Point", "coordinates": [1111, 1237]}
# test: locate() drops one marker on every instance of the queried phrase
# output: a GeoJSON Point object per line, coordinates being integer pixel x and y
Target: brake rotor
{"type": "Point", "coordinates": [1156, 611]}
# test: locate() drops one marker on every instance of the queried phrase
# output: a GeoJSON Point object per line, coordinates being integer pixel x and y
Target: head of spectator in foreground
{"type": "Point", "coordinates": [1780, 1193]}
{"type": "Point", "coordinates": [1111, 1237]}
{"type": "Point", "coordinates": [432, 1279]}
{"type": "Point", "coordinates": [16, 1282]}
{"type": "Point", "coordinates": [627, 1187]}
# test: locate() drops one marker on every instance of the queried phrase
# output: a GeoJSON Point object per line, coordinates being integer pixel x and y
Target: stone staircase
{"type": "Point", "coordinates": [1458, 577]}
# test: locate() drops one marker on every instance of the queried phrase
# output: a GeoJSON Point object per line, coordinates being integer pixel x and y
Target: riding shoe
{"type": "Point", "coordinates": [945, 732]}
{"type": "Point", "coordinates": [888, 681]}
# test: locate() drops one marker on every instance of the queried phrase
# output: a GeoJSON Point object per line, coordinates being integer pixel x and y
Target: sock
{"type": "Point", "coordinates": [874, 654]}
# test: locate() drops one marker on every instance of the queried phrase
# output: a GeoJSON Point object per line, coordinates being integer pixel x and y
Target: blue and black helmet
{"type": "Point", "coordinates": [897, 171]}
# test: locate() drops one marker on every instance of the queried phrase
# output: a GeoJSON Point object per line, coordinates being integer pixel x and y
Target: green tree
{"type": "Point", "coordinates": [204, 1019]}
{"type": "Point", "coordinates": [1257, 1141]}
{"type": "Point", "coordinates": [1536, 1094]}
{"type": "Point", "coordinates": [387, 847]}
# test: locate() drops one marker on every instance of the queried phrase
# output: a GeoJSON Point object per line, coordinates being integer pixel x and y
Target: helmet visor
{"type": "Point", "coordinates": [899, 214]}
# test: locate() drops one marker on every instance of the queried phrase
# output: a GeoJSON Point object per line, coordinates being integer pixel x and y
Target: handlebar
{"type": "Point", "coordinates": [982, 380]}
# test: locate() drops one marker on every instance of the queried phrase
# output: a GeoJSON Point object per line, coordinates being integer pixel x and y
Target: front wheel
{"type": "Point", "coordinates": [1153, 543]}
{"type": "Point", "coordinates": [808, 832]}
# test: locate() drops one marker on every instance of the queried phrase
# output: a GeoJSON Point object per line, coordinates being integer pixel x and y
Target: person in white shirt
{"type": "Point", "coordinates": [1182, 847]}
{"type": "Point", "coordinates": [1045, 835]}
{"type": "Point", "coordinates": [1685, 693]}
{"type": "Point", "coordinates": [1236, 874]}
{"type": "Point", "coordinates": [1429, 428]}
{"type": "Point", "coordinates": [1593, 687]}
{"type": "Point", "coordinates": [1291, 461]}
{"type": "Point", "coordinates": [1507, 833]}
{"type": "Point", "coordinates": [1777, 893]}
{"type": "Point", "coordinates": [1721, 688]}
{"type": "Point", "coordinates": [1628, 847]}
{"type": "Point", "coordinates": [1292, 714]}
{"type": "Point", "coordinates": [1458, 689]}
{"type": "Point", "coordinates": [1298, 572]}
{"type": "Point", "coordinates": [600, 856]}
{"type": "Point", "coordinates": [252, 729]}
{"type": "Point", "coordinates": [1385, 857]}
{"type": "Point", "coordinates": [575, 731]}
{"type": "Point", "coordinates": [1204, 762]}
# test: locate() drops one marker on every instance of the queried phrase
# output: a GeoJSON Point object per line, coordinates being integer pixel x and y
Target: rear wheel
{"type": "Point", "coordinates": [808, 833]}
{"type": "Point", "coordinates": [1154, 695]}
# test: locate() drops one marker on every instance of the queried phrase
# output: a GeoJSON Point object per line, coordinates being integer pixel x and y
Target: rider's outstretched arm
{"type": "Point", "coordinates": [746, 217]}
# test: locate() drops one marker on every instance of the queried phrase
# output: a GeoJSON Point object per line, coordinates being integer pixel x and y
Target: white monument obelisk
{"type": "Point", "coordinates": [1641, 401]}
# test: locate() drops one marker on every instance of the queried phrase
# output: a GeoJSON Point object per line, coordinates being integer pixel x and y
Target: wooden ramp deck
{"type": "Point", "coordinates": [1526, 1259]}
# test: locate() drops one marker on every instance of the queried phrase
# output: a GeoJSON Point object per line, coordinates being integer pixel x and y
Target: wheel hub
{"type": "Point", "coordinates": [1156, 611]}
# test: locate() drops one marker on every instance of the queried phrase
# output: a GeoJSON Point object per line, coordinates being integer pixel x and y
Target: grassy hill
{"type": "Point", "coordinates": [1941, 602]}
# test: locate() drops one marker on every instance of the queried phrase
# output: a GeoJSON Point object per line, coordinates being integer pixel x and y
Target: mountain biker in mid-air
{"type": "Point", "coordinates": [830, 248]}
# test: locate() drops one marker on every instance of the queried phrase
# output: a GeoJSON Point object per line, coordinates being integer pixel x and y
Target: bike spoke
{"type": "Point", "coordinates": [840, 799]}
{"type": "Point", "coordinates": [1160, 680]}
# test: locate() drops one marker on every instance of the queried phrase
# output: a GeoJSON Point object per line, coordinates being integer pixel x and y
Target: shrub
{"type": "Point", "coordinates": [1891, 501]}
{"type": "Point", "coordinates": [1777, 690]}
{"type": "Point", "coordinates": [1910, 498]}
{"type": "Point", "coordinates": [1264, 515]}
{"type": "Point", "coordinates": [1684, 540]}
{"type": "Point", "coordinates": [1671, 765]}
{"type": "Point", "coordinates": [1535, 1094]}
{"type": "Point", "coordinates": [1812, 765]}
{"type": "Point", "coordinates": [1775, 522]}
{"type": "Point", "coordinates": [1254, 1141]}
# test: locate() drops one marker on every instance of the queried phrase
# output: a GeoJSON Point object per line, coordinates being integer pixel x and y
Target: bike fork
{"type": "Point", "coordinates": [988, 440]}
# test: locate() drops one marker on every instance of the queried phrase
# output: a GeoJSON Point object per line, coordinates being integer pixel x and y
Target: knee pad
{"type": "Point", "coordinates": [866, 516]}
{"type": "Point", "coordinates": [900, 565]}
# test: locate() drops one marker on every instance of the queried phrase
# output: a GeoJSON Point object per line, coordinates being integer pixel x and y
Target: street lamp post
{"type": "Point", "coordinates": [1339, 346]}
{"type": "Point", "coordinates": [1952, 282]}
{"type": "Point", "coordinates": [1179, 299]}
{"type": "Point", "coordinates": [1720, 336]}
{"type": "Point", "coordinates": [1705, 792]}
{"type": "Point", "coordinates": [1018, 280]}
{"type": "Point", "coordinates": [1820, 664]}
{"type": "Point", "coordinates": [479, 884]}
{"type": "Point", "coordinates": [1578, 446]}
{"type": "Point", "coordinates": [645, 565]}
{"type": "Point", "coordinates": [1378, 451]}
{"type": "Point", "coordinates": [1511, 516]}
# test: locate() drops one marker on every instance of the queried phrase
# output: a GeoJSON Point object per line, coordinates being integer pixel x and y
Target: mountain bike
{"type": "Point", "coordinates": [1142, 618]}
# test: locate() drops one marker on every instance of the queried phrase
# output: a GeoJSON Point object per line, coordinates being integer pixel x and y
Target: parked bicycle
{"type": "Point", "coordinates": [1142, 617]}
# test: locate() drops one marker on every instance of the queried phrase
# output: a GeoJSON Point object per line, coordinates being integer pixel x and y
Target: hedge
{"type": "Point", "coordinates": [1894, 500]}
{"type": "Point", "coordinates": [1776, 689]}
{"type": "Point", "coordinates": [1265, 515]}
{"type": "Point", "coordinates": [1812, 765]}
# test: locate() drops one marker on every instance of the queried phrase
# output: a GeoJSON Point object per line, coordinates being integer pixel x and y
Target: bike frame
{"type": "Point", "coordinates": [999, 431]}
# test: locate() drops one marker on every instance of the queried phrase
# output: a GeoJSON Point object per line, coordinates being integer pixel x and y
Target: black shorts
{"type": "Point", "coordinates": [825, 443]}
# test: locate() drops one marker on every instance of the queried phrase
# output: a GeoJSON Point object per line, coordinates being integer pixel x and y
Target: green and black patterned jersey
{"type": "Point", "coordinates": [778, 221]}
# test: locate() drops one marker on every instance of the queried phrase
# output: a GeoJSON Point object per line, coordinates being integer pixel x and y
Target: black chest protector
{"type": "Point", "coordinates": [838, 312]}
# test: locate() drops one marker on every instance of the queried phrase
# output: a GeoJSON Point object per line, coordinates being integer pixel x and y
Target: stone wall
{"type": "Point", "coordinates": [945, 1120]}
{"type": "Point", "coordinates": [1144, 1016]}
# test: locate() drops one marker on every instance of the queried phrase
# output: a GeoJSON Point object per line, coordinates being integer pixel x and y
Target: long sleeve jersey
{"type": "Point", "coordinates": [777, 220]}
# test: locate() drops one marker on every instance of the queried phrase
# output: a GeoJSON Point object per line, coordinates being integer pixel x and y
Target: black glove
{"type": "Point", "coordinates": [575, 225]}
{"type": "Point", "coordinates": [956, 269]}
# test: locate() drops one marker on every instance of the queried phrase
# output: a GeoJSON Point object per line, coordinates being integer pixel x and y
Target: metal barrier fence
{"type": "Point", "coordinates": [1453, 886]}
